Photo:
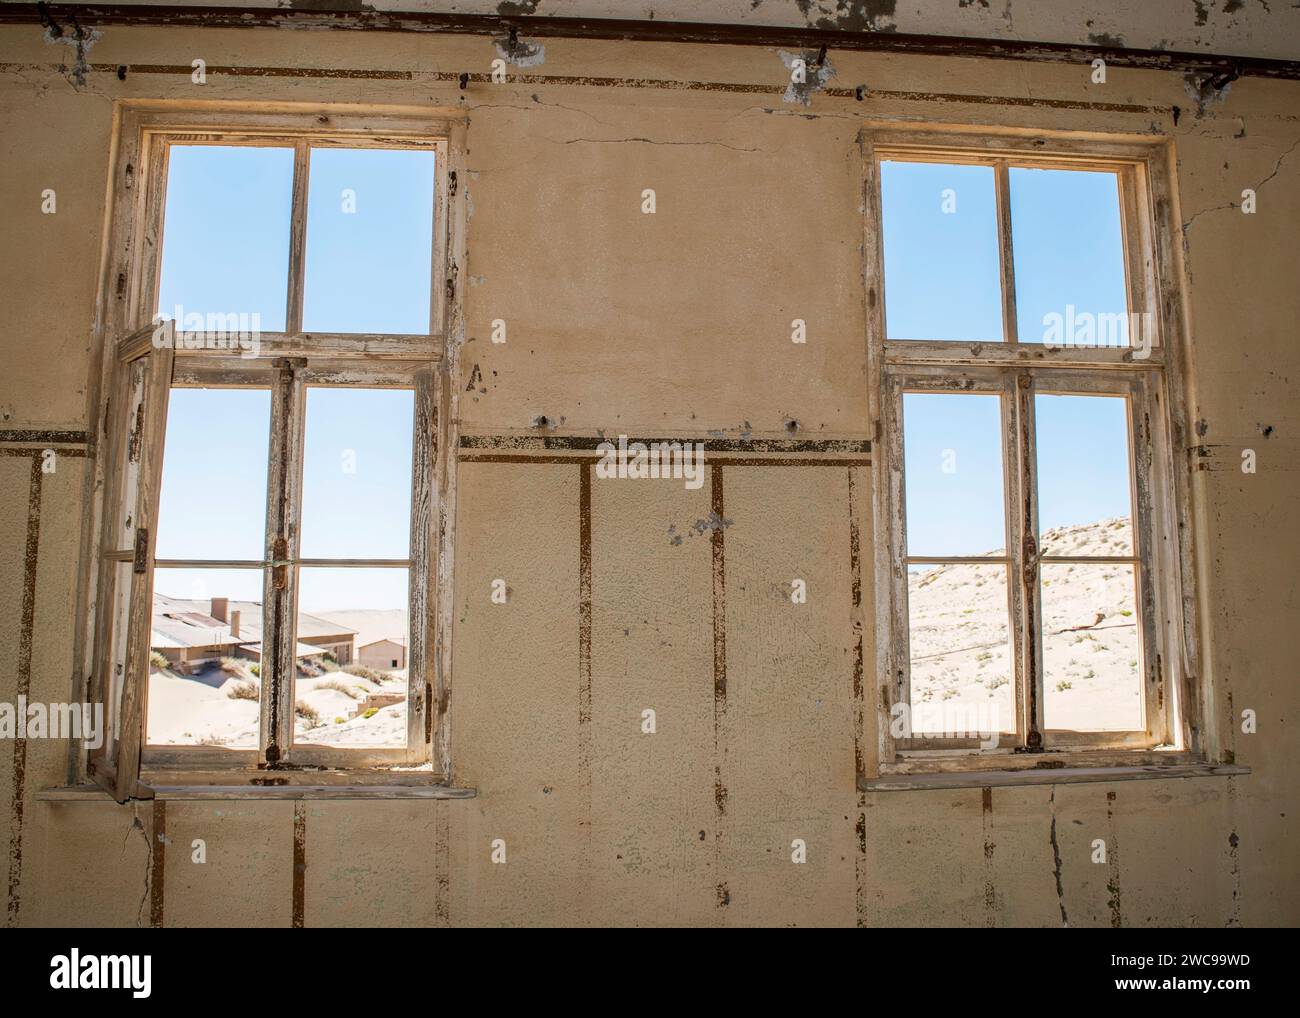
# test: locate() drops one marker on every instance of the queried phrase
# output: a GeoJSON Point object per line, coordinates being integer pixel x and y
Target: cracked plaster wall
{"type": "Point", "coordinates": [672, 322]}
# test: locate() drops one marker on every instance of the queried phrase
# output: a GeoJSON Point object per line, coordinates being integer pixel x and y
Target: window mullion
{"type": "Point", "coordinates": [1006, 261]}
{"type": "Point", "coordinates": [298, 237]}
{"type": "Point", "coordinates": [284, 487]}
{"type": "Point", "coordinates": [1012, 486]}
{"type": "Point", "coordinates": [1025, 549]}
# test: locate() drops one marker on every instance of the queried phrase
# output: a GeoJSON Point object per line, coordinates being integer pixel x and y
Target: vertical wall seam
{"type": "Point", "coordinates": [584, 671]}
{"type": "Point", "coordinates": [859, 708]}
{"type": "Point", "coordinates": [299, 863]}
{"type": "Point", "coordinates": [158, 866]}
{"type": "Point", "coordinates": [990, 890]}
{"type": "Point", "coordinates": [26, 622]}
{"type": "Point", "coordinates": [441, 866]}
{"type": "Point", "coordinates": [718, 548]}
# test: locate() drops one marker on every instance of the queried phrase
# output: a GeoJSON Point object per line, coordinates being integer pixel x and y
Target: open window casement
{"type": "Point", "coordinates": [207, 437]}
{"type": "Point", "coordinates": [143, 375]}
{"type": "Point", "coordinates": [1031, 504]}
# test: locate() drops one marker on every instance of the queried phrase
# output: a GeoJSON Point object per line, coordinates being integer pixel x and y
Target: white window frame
{"type": "Point", "coordinates": [135, 380]}
{"type": "Point", "coordinates": [1174, 693]}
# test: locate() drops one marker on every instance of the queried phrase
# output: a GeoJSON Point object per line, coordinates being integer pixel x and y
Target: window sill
{"type": "Point", "coordinates": [1046, 776]}
{"type": "Point", "coordinates": [94, 793]}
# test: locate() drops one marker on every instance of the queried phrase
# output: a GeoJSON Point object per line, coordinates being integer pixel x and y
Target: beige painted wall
{"type": "Point", "coordinates": [676, 322]}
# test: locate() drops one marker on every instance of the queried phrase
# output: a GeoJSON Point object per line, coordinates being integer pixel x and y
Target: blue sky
{"type": "Point", "coordinates": [941, 267]}
{"type": "Point", "coordinates": [226, 236]}
{"type": "Point", "coordinates": [1083, 467]}
{"type": "Point", "coordinates": [942, 282]}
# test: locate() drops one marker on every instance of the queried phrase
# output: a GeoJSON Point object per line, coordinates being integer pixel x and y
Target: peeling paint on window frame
{"type": "Point", "coordinates": [127, 476]}
{"type": "Point", "coordinates": [1176, 691]}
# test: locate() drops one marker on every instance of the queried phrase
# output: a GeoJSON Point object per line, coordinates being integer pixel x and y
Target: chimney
{"type": "Point", "coordinates": [234, 625]}
{"type": "Point", "coordinates": [219, 606]}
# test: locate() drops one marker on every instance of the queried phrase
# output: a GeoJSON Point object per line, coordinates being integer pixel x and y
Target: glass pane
{"type": "Point", "coordinates": [213, 499]}
{"type": "Point", "coordinates": [205, 659]}
{"type": "Point", "coordinates": [1092, 654]}
{"type": "Point", "coordinates": [962, 675]}
{"type": "Point", "coordinates": [353, 636]}
{"type": "Point", "coordinates": [953, 474]}
{"type": "Point", "coordinates": [356, 477]}
{"type": "Point", "coordinates": [226, 236]}
{"type": "Point", "coordinates": [941, 252]}
{"type": "Point", "coordinates": [1069, 256]}
{"type": "Point", "coordinates": [369, 241]}
{"type": "Point", "coordinates": [1084, 476]}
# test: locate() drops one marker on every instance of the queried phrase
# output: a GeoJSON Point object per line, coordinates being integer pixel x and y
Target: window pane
{"type": "Point", "coordinates": [962, 676]}
{"type": "Point", "coordinates": [1084, 475]}
{"type": "Point", "coordinates": [1092, 654]}
{"type": "Point", "coordinates": [213, 499]}
{"type": "Point", "coordinates": [357, 473]}
{"type": "Point", "coordinates": [205, 661]}
{"type": "Point", "coordinates": [226, 235]}
{"type": "Point", "coordinates": [953, 474]}
{"type": "Point", "coordinates": [1069, 257]}
{"type": "Point", "coordinates": [369, 241]}
{"type": "Point", "coordinates": [941, 252]}
{"type": "Point", "coordinates": [353, 636]}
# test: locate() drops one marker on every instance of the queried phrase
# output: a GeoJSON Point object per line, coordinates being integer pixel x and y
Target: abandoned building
{"type": "Point", "coordinates": [185, 634]}
{"type": "Point", "coordinates": [342, 345]}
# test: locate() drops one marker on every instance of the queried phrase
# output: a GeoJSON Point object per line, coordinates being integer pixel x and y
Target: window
{"type": "Point", "coordinates": [1032, 585]}
{"type": "Point", "coordinates": [271, 520]}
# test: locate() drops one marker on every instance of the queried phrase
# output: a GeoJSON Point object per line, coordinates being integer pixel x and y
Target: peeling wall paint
{"type": "Point", "coordinates": [629, 597]}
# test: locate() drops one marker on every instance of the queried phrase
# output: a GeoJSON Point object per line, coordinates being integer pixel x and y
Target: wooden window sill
{"type": "Point", "coordinates": [1051, 776]}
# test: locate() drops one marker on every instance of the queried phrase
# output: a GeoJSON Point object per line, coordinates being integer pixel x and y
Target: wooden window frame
{"type": "Point", "coordinates": [1177, 729]}
{"type": "Point", "coordinates": [136, 378]}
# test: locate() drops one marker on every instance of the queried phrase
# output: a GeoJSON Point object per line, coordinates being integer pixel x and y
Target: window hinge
{"type": "Point", "coordinates": [1029, 551]}
{"type": "Point", "coordinates": [280, 574]}
{"type": "Point", "coordinates": [141, 562]}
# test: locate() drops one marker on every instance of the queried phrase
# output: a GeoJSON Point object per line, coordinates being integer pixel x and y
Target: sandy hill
{"type": "Point", "coordinates": [959, 633]}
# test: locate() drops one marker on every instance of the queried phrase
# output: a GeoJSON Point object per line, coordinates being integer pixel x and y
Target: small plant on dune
{"type": "Point", "coordinates": [369, 674]}
{"type": "Point", "coordinates": [157, 660]}
{"type": "Point", "coordinates": [244, 691]}
{"type": "Point", "coordinates": [256, 669]}
{"type": "Point", "coordinates": [307, 712]}
{"type": "Point", "coordinates": [371, 712]}
{"type": "Point", "coordinates": [1125, 612]}
{"type": "Point", "coordinates": [1062, 686]}
{"type": "Point", "coordinates": [337, 686]}
{"type": "Point", "coordinates": [231, 667]}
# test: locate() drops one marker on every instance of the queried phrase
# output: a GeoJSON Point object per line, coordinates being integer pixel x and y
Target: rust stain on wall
{"type": "Point", "coordinates": [17, 808]}
{"type": "Point", "coordinates": [158, 857]}
{"type": "Point", "coordinates": [299, 864]}
{"type": "Point", "coordinates": [584, 662]}
{"type": "Point", "coordinates": [718, 550]}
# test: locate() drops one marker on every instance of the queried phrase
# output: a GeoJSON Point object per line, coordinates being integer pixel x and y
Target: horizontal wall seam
{"type": "Point", "coordinates": [668, 84]}
{"type": "Point", "coordinates": [628, 30]}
